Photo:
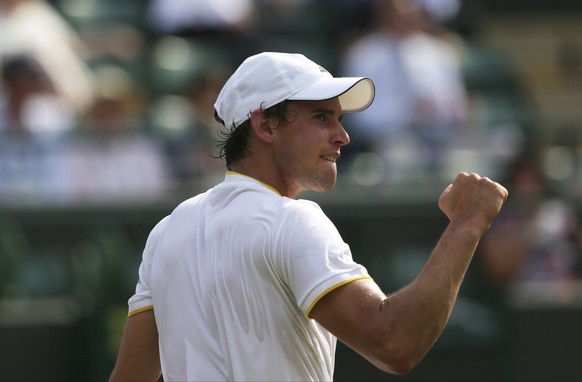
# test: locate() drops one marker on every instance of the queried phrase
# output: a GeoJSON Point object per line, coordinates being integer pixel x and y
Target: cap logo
{"type": "Point", "coordinates": [322, 69]}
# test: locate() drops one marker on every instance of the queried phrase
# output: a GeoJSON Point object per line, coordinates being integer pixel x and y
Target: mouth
{"type": "Point", "coordinates": [329, 158]}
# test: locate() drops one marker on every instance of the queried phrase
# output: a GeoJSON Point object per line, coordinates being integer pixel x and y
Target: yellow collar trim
{"type": "Point", "coordinates": [264, 184]}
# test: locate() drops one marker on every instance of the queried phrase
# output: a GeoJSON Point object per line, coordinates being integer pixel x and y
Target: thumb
{"type": "Point", "coordinates": [444, 196]}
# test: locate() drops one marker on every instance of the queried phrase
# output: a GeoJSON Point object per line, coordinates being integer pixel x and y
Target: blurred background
{"type": "Point", "coordinates": [106, 123]}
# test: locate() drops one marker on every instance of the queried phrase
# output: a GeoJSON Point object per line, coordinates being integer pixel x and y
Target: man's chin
{"type": "Point", "coordinates": [323, 188]}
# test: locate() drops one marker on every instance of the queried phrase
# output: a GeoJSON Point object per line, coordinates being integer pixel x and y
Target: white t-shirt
{"type": "Point", "coordinates": [232, 275]}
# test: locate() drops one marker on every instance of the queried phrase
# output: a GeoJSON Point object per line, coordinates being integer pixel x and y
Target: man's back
{"type": "Point", "coordinates": [232, 280]}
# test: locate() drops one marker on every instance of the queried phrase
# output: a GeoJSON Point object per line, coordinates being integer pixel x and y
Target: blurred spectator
{"type": "Point", "coordinates": [536, 237]}
{"type": "Point", "coordinates": [420, 95]}
{"type": "Point", "coordinates": [32, 120]}
{"type": "Point", "coordinates": [35, 29]}
{"type": "Point", "coordinates": [183, 16]}
{"type": "Point", "coordinates": [109, 159]}
{"type": "Point", "coordinates": [45, 88]}
{"type": "Point", "coordinates": [186, 125]}
{"type": "Point", "coordinates": [29, 104]}
{"type": "Point", "coordinates": [221, 24]}
{"type": "Point", "coordinates": [201, 140]}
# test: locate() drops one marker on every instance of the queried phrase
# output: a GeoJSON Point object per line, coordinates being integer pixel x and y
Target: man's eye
{"type": "Point", "coordinates": [321, 117]}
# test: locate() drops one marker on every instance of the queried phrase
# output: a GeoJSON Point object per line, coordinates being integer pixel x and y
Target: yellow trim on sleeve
{"type": "Point", "coordinates": [145, 308]}
{"type": "Point", "coordinates": [332, 288]}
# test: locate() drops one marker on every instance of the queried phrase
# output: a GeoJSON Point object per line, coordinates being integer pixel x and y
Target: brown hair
{"type": "Point", "coordinates": [233, 141]}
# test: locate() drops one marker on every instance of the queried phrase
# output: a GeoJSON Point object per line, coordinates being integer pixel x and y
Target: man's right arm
{"type": "Point", "coordinates": [395, 332]}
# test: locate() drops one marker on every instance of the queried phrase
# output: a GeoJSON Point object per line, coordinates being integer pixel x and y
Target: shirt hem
{"type": "Point", "coordinates": [145, 308]}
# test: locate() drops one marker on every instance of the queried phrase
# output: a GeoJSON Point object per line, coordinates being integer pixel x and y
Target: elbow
{"type": "Point", "coordinates": [397, 357]}
{"type": "Point", "coordinates": [402, 368]}
{"type": "Point", "coordinates": [397, 365]}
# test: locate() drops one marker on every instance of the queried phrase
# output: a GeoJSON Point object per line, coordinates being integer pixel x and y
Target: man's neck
{"type": "Point", "coordinates": [267, 175]}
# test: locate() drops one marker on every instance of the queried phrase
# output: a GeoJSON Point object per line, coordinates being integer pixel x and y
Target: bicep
{"type": "Point", "coordinates": [138, 357]}
{"type": "Point", "coordinates": [351, 313]}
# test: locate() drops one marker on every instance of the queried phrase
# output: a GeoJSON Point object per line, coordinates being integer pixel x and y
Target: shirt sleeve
{"type": "Point", "coordinates": [142, 299]}
{"type": "Point", "coordinates": [316, 258]}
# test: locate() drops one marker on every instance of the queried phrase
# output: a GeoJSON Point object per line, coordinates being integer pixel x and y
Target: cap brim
{"type": "Point", "coordinates": [355, 93]}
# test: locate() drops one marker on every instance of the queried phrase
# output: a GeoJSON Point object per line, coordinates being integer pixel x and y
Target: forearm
{"type": "Point", "coordinates": [418, 313]}
{"type": "Point", "coordinates": [443, 273]}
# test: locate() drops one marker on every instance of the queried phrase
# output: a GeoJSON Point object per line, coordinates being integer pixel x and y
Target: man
{"type": "Point", "coordinates": [246, 282]}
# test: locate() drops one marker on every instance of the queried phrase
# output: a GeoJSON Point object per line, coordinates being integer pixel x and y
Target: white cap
{"type": "Point", "coordinates": [268, 78]}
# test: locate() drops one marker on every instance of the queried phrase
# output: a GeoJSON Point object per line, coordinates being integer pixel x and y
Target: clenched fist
{"type": "Point", "coordinates": [472, 200]}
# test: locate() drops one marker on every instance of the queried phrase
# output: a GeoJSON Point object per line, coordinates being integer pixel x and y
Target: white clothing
{"type": "Point", "coordinates": [407, 72]}
{"type": "Point", "coordinates": [55, 46]}
{"type": "Point", "coordinates": [97, 169]}
{"type": "Point", "coordinates": [232, 275]}
{"type": "Point", "coordinates": [169, 16]}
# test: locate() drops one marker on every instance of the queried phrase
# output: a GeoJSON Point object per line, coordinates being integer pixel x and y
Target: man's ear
{"type": "Point", "coordinates": [261, 125]}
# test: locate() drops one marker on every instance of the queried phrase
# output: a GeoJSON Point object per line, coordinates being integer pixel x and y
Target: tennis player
{"type": "Point", "coordinates": [245, 282]}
